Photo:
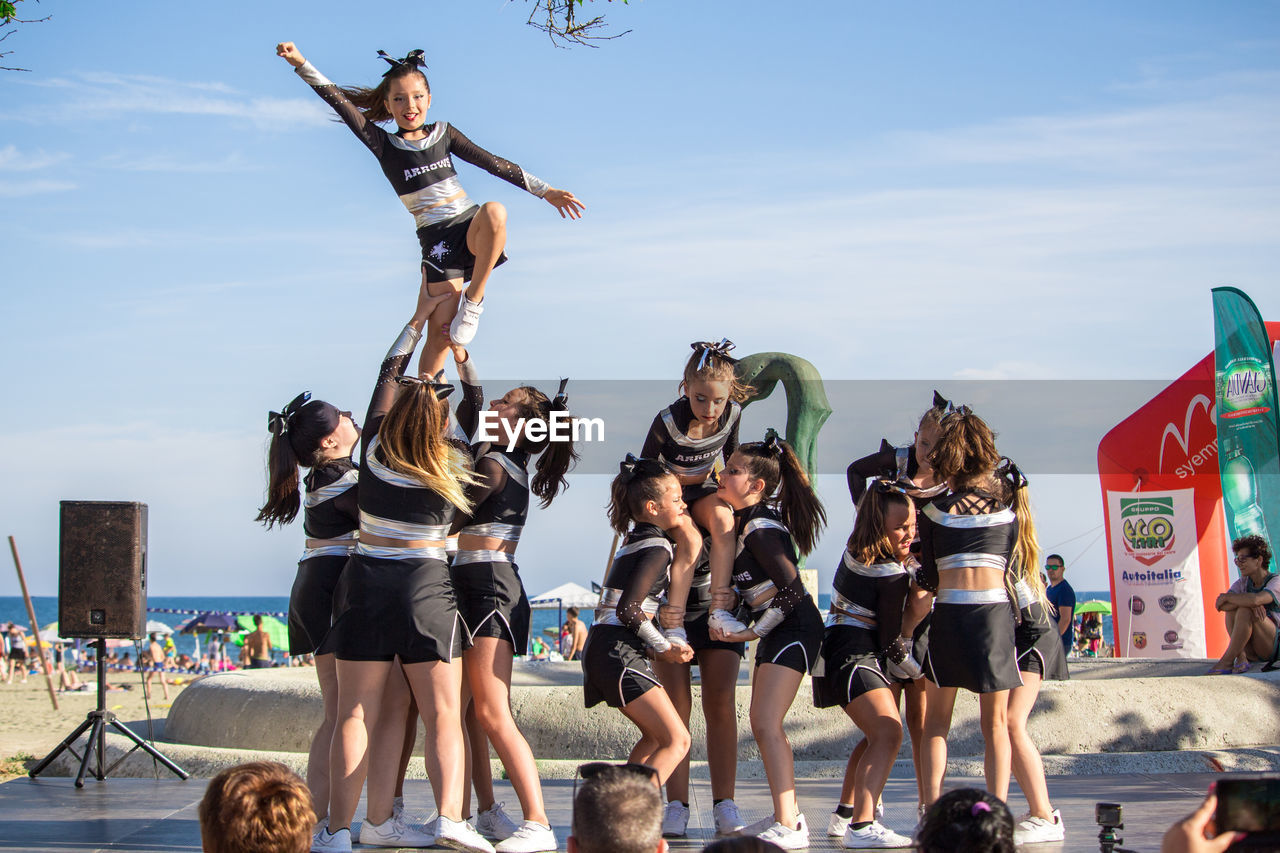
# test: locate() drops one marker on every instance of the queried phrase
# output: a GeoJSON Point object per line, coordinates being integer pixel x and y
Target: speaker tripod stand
{"type": "Point", "coordinates": [96, 722]}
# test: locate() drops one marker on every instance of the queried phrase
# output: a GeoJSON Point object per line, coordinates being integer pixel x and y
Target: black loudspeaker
{"type": "Point", "coordinates": [102, 570]}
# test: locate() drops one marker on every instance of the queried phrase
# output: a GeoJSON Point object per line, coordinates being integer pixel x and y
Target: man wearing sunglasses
{"type": "Point", "coordinates": [1251, 607]}
{"type": "Point", "coordinates": [1063, 597]}
{"type": "Point", "coordinates": [617, 809]}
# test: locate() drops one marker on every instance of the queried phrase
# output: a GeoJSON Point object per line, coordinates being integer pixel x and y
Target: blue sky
{"type": "Point", "coordinates": [927, 191]}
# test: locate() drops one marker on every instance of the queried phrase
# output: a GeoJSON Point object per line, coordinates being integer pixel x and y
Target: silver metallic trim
{"type": "Point", "coordinates": [1025, 597]}
{"type": "Point", "coordinates": [534, 184]}
{"type": "Point", "coordinates": [389, 552]}
{"type": "Point", "coordinates": [642, 544]}
{"type": "Point", "coordinates": [972, 596]}
{"type": "Point", "coordinates": [513, 470]}
{"type": "Point", "coordinates": [972, 560]}
{"type": "Point", "coordinates": [313, 77]}
{"type": "Point", "coordinates": [337, 487]}
{"type": "Point", "coordinates": [406, 342]}
{"type": "Point", "coordinates": [495, 530]}
{"type": "Point", "coordinates": [386, 474]}
{"type": "Point", "coordinates": [706, 443]}
{"type": "Point", "coordinates": [874, 570]}
{"type": "Point", "coordinates": [393, 529]}
{"type": "Point", "coordinates": [429, 206]}
{"type": "Point", "coordinates": [838, 601]}
{"type": "Point", "coordinates": [329, 550]}
{"type": "Point", "coordinates": [968, 522]}
{"type": "Point", "coordinates": [834, 619]}
{"type": "Point", "coordinates": [483, 556]}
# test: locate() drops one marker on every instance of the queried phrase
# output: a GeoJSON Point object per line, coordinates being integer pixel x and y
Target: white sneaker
{"type": "Point", "coordinates": [837, 825]}
{"type": "Point", "coordinates": [879, 809]}
{"type": "Point", "coordinates": [325, 841]}
{"type": "Point", "coordinates": [495, 823]}
{"type": "Point", "coordinates": [1037, 830]}
{"type": "Point", "coordinates": [393, 832]}
{"type": "Point", "coordinates": [875, 836]}
{"type": "Point", "coordinates": [675, 820]}
{"type": "Point", "coordinates": [786, 838]}
{"type": "Point", "coordinates": [462, 330]}
{"type": "Point", "coordinates": [460, 835]}
{"type": "Point", "coordinates": [529, 837]}
{"type": "Point", "coordinates": [727, 819]}
{"type": "Point", "coordinates": [759, 826]}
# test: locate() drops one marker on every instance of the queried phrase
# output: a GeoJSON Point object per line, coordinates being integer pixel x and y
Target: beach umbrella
{"type": "Point", "coordinates": [154, 626]}
{"type": "Point", "coordinates": [209, 621]}
{"type": "Point", "coordinates": [50, 636]}
{"type": "Point", "coordinates": [276, 630]}
{"type": "Point", "coordinates": [1093, 607]}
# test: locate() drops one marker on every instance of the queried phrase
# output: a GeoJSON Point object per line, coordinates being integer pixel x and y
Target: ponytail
{"type": "Point", "coordinates": [283, 499]}
{"type": "Point", "coordinates": [774, 462]}
{"type": "Point", "coordinates": [1026, 548]}
{"type": "Point", "coordinates": [638, 482]}
{"type": "Point", "coordinates": [557, 457]}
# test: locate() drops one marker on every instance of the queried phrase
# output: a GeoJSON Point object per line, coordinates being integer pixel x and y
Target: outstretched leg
{"type": "Point", "coordinates": [486, 238]}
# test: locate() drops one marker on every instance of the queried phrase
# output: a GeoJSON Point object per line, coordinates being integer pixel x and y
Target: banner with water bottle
{"type": "Point", "coordinates": [1245, 404]}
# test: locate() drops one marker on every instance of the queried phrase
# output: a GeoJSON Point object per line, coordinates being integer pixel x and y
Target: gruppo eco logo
{"type": "Point", "coordinates": [1244, 387]}
{"type": "Point", "coordinates": [1147, 528]}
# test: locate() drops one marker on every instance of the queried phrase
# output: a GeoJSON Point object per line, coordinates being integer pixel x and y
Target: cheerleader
{"type": "Point", "coordinates": [491, 598]}
{"type": "Point", "coordinates": [910, 467]}
{"type": "Point", "coordinates": [863, 630]}
{"type": "Point", "coordinates": [966, 541]}
{"type": "Point", "coordinates": [777, 517]}
{"type": "Point", "coordinates": [395, 600]}
{"type": "Point", "coordinates": [1040, 657]}
{"type": "Point", "coordinates": [315, 435]}
{"type": "Point", "coordinates": [460, 241]}
{"type": "Point", "coordinates": [645, 502]}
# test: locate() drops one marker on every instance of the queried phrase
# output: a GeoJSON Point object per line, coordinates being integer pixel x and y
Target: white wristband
{"type": "Point", "coordinates": [653, 637]}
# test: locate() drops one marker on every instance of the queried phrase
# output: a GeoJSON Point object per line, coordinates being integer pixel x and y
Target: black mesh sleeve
{"type": "Point", "coordinates": [369, 133]}
{"type": "Point", "coordinates": [348, 503]}
{"type": "Point", "coordinates": [649, 568]}
{"type": "Point", "coordinates": [469, 408]}
{"type": "Point", "coordinates": [927, 575]}
{"type": "Point", "coordinates": [771, 548]}
{"type": "Point", "coordinates": [731, 441]}
{"type": "Point", "coordinates": [492, 477]}
{"type": "Point", "coordinates": [891, 602]}
{"type": "Point", "coordinates": [883, 460]}
{"type": "Point", "coordinates": [496, 166]}
{"type": "Point", "coordinates": [384, 390]}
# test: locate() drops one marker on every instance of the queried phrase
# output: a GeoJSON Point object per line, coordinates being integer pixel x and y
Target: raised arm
{"type": "Point", "coordinates": [369, 133]}
{"type": "Point", "coordinates": [562, 200]}
{"type": "Point", "coordinates": [863, 469]}
{"type": "Point", "coordinates": [472, 403]}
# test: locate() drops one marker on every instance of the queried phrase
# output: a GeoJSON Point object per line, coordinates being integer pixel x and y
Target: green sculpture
{"type": "Point", "coordinates": [807, 405]}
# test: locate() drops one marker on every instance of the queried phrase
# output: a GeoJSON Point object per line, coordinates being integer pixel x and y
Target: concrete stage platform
{"type": "Point", "coordinates": [144, 815]}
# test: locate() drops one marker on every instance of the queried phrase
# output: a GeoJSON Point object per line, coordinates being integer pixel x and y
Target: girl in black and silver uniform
{"type": "Point", "coordinates": [777, 517]}
{"type": "Point", "coordinates": [690, 435]}
{"type": "Point", "coordinates": [316, 435]}
{"type": "Point", "coordinates": [395, 599]}
{"type": "Point", "coordinates": [966, 541]}
{"type": "Point", "coordinates": [910, 467]}
{"type": "Point", "coordinates": [863, 630]}
{"type": "Point", "coordinates": [1040, 657]}
{"type": "Point", "coordinates": [460, 240]}
{"type": "Point", "coordinates": [491, 597]}
{"type": "Point", "coordinates": [645, 502]}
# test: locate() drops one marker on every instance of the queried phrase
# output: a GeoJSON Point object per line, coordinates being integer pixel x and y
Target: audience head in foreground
{"type": "Point", "coordinates": [260, 807]}
{"type": "Point", "coordinates": [617, 809]}
{"type": "Point", "coordinates": [967, 821]}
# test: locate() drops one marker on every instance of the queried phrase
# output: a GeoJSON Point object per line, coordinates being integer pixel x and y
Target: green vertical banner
{"type": "Point", "coordinates": [1248, 438]}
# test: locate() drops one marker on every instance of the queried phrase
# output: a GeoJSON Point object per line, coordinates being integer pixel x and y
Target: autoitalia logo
{"type": "Point", "coordinates": [1244, 388]}
{"type": "Point", "coordinates": [1147, 526]}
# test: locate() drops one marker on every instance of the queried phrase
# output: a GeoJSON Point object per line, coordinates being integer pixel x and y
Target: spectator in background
{"type": "Point", "coordinates": [256, 653]}
{"type": "Point", "coordinates": [573, 636]}
{"type": "Point", "coordinates": [152, 660]}
{"type": "Point", "coordinates": [617, 809]}
{"type": "Point", "coordinates": [17, 653]}
{"type": "Point", "coordinates": [260, 807]}
{"type": "Point", "coordinates": [1062, 597]}
{"type": "Point", "coordinates": [1251, 607]}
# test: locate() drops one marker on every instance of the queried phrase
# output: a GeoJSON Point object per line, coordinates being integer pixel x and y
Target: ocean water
{"type": "Point", "coordinates": [545, 621]}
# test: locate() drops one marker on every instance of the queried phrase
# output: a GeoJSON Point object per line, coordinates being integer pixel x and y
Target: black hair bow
{"type": "Point", "coordinates": [415, 59]}
{"type": "Point", "coordinates": [436, 383]}
{"type": "Point", "coordinates": [708, 349]}
{"type": "Point", "coordinates": [1012, 474]}
{"type": "Point", "coordinates": [561, 401]}
{"type": "Point", "coordinates": [628, 465]}
{"type": "Point", "coordinates": [278, 422]}
{"type": "Point", "coordinates": [885, 486]}
{"type": "Point", "coordinates": [771, 442]}
{"type": "Point", "coordinates": [942, 403]}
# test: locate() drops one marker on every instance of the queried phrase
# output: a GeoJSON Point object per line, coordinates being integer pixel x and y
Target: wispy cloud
{"type": "Point", "coordinates": [13, 160]}
{"type": "Point", "coordinates": [165, 162]}
{"type": "Point", "coordinates": [119, 96]}
{"type": "Point", "coordinates": [19, 189]}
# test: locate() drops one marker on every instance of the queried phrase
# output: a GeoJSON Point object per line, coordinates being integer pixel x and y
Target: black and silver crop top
{"type": "Point", "coordinates": [421, 170]}
{"type": "Point", "coordinates": [954, 541]}
{"type": "Point", "coordinates": [871, 597]}
{"type": "Point", "coordinates": [395, 505]}
{"type": "Point", "coordinates": [766, 560]}
{"type": "Point", "coordinates": [330, 509]}
{"type": "Point", "coordinates": [636, 580]}
{"type": "Point", "coordinates": [668, 439]}
{"type": "Point", "coordinates": [896, 463]}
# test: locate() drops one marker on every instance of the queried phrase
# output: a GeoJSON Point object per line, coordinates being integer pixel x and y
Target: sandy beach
{"type": "Point", "coordinates": [30, 727]}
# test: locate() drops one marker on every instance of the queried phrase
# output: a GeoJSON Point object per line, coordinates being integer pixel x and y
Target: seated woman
{"type": "Point", "coordinates": [1251, 607]}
